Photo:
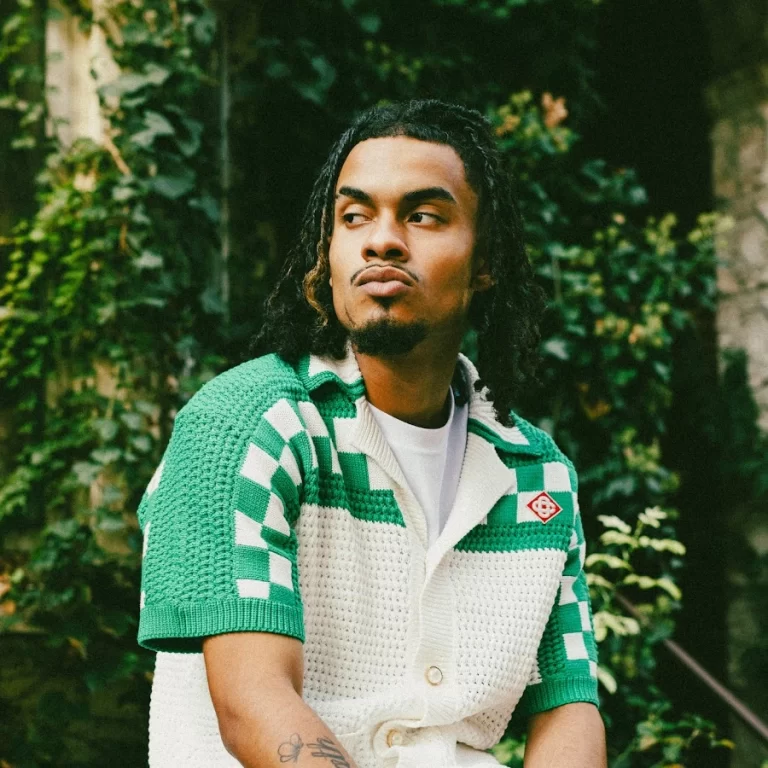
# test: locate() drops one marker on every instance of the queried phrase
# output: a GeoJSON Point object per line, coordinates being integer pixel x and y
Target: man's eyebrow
{"type": "Point", "coordinates": [429, 193]}
{"type": "Point", "coordinates": [414, 196]}
{"type": "Point", "coordinates": [355, 194]}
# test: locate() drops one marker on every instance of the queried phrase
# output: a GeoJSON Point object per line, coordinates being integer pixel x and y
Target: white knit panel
{"type": "Point", "coordinates": [274, 517]}
{"type": "Point", "coordinates": [248, 532]}
{"type": "Point", "coordinates": [313, 420]}
{"type": "Point", "coordinates": [288, 463]}
{"type": "Point", "coordinates": [575, 647]}
{"type": "Point", "coordinates": [315, 427]}
{"type": "Point", "coordinates": [155, 481]}
{"type": "Point", "coordinates": [345, 430]}
{"type": "Point", "coordinates": [466, 757]}
{"type": "Point", "coordinates": [356, 615]}
{"type": "Point", "coordinates": [567, 594]}
{"type": "Point", "coordinates": [259, 466]}
{"type": "Point", "coordinates": [504, 601]}
{"type": "Point", "coordinates": [183, 728]}
{"type": "Point", "coordinates": [284, 419]}
{"type": "Point", "coordinates": [280, 570]}
{"type": "Point", "coordinates": [586, 625]}
{"type": "Point", "coordinates": [556, 477]}
{"type": "Point", "coordinates": [145, 545]}
{"type": "Point", "coordinates": [253, 588]}
{"type": "Point", "coordinates": [378, 480]}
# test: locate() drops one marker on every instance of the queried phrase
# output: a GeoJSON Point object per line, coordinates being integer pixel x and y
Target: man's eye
{"type": "Point", "coordinates": [353, 218]}
{"type": "Point", "coordinates": [423, 217]}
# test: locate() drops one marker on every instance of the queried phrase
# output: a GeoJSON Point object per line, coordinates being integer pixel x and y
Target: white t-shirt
{"type": "Point", "coordinates": [430, 460]}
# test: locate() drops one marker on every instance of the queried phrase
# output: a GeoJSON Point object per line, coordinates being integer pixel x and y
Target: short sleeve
{"type": "Point", "coordinates": [566, 666]}
{"type": "Point", "coordinates": [218, 521]}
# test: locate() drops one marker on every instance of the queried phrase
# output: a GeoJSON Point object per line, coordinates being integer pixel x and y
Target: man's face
{"type": "Point", "coordinates": [401, 253]}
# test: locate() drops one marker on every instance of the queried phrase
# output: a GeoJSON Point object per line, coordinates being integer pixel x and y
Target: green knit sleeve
{"type": "Point", "coordinates": [218, 520]}
{"type": "Point", "coordinates": [566, 665]}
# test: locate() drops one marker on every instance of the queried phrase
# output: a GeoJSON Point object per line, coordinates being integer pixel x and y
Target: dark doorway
{"type": "Point", "coordinates": [653, 65]}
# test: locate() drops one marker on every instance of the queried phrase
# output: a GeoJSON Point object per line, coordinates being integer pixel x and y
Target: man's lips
{"type": "Point", "coordinates": [384, 282]}
{"type": "Point", "coordinates": [383, 275]}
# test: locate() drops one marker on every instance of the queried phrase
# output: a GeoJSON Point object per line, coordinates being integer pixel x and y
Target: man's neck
{"type": "Point", "coordinates": [412, 387]}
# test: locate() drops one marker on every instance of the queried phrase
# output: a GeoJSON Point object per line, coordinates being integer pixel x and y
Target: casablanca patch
{"type": "Point", "coordinates": [544, 507]}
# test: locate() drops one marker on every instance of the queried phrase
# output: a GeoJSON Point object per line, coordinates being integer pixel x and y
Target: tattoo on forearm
{"type": "Point", "coordinates": [327, 749]}
{"type": "Point", "coordinates": [290, 750]}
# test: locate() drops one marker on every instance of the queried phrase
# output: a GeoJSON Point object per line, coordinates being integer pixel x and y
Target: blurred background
{"type": "Point", "coordinates": [155, 159]}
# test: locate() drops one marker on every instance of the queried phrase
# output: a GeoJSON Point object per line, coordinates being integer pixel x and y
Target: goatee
{"type": "Point", "coordinates": [386, 338]}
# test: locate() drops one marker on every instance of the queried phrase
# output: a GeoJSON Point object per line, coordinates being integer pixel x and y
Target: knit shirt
{"type": "Point", "coordinates": [279, 507]}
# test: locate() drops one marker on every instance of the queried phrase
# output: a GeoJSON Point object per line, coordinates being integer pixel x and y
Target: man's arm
{"type": "Point", "coordinates": [570, 736]}
{"type": "Point", "coordinates": [255, 680]}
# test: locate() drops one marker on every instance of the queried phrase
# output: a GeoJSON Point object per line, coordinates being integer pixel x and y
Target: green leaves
{"type": "Point", "coordinates": [90, 374]}
{"type": "Point", "coordinates": [129, 83]}
{"type": "Point", "coordinates": [86, 472]}
{"type": "Point", "coordinates": [172, 185]}
{"type": "Point", "coordinates": [148, 260]}
{"type": "Point", "coordinates": [155, 125]}
{"type": "Point", "coordinates": [110, 318]}
{"type": "Point", "coordinates": [661, 742]}
{"type": "Point", "coordinates": [64, 529]}
{"type": "Point", "coordinates": [369, 20]}
{"type": "Point", "coordinates": [316, 89]}
{"type": "Point", "coordinates": [190, 138]}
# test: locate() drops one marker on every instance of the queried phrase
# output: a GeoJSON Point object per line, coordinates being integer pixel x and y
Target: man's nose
{"type": "Point", "coordinates": [385, 241]}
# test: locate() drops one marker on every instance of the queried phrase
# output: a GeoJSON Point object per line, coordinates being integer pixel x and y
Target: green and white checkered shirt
{"type": "Point", "coordinates": [279, 507]}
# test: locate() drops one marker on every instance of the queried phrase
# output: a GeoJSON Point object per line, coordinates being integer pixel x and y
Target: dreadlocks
{"type": "Point", "coordinates": [299, 316]}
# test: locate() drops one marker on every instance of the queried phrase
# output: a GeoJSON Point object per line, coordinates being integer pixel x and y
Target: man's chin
{"type": "Point", "coordinates": [387, 338]}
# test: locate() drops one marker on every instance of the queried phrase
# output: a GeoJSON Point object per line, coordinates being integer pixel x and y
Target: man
{"type": "Point", "coordinates": [357, 553]}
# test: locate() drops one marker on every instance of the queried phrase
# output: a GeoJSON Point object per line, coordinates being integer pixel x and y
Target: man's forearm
{"type": "Point", "coordinates": [571, 736]}
{"type": "Point", "coordinates": [282, 730]}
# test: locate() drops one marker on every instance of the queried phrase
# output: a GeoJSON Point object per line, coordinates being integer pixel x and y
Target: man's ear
{"type": "Point", "coordinates": [482, 280]}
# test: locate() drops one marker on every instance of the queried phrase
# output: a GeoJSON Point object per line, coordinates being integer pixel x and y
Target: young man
{"type": "Point", "coordinates": [358, 555]}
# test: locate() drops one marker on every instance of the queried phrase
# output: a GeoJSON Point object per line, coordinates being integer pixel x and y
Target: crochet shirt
{"type": "Point", "coordinates": [279, 507]}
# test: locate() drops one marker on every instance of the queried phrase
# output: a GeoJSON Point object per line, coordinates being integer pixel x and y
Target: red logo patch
{"type": "Point", "coordinates": [544, 507]}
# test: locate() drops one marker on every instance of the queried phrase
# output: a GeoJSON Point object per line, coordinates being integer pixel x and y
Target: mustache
{"type": "Point", "coordinates": [407, 271]}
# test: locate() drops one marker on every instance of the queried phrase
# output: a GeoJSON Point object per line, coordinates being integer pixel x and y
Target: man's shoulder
{"type": "Point", "coordinates": [247, 390]}
{"type": "Point", "coordinates": [543, 443]}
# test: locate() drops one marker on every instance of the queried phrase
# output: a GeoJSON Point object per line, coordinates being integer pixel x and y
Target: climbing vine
{"type": "Point", "coordinates": [105, 322]}
{"type": "Point", "coordinates": [113, 312]}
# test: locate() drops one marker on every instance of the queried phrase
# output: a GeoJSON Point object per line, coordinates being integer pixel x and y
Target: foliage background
{"type": "Point", "coordinates": [140, 265]}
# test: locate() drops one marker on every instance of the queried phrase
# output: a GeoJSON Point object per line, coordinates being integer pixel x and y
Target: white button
{"type": "Point", "coordinates": [394, 738]}
{"type": "Point", "coordinates": [434, 676]}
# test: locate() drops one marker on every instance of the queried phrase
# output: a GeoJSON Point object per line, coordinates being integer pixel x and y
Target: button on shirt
{"type": "Point", "coordinates": [434, 676]}
{"type": "Point", "coordinates": [279, 506]}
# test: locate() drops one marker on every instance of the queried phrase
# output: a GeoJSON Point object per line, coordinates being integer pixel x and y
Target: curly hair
{"type": "Point", "coordinates": [299, 316]}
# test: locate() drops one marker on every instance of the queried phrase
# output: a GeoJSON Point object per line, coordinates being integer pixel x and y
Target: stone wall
{"type": "Point", "coordinates": [739, 104]}
{"type": "Point", "coordinates": [78, 62]}
{"type": "Point", "coordinates": [738, 101]}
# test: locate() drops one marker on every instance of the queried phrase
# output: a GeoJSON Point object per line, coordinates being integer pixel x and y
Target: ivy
{"type": "Point", "coordinates": [117, 245]}
{"type": "Point", "coordinates": [113, 312]}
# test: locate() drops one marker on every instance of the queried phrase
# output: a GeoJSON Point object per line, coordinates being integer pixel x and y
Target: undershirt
{"type": "Point", "coordinates": [430, 459]}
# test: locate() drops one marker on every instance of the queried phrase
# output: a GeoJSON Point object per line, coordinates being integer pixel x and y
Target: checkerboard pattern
{"type": "Point", "coordinates": [294, 446]}
{"type": "Point", "coordinates": [267, 497]}
{"type": "Point", "coordinates": [267, 442]}
{"type": "Point", "coordinates": [573, 607]}
{"type": "Point", "coordinates": [568, 642]}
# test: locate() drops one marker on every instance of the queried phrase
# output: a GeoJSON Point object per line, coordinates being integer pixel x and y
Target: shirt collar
{"type": "Point", "coordinates": [314, 371]}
